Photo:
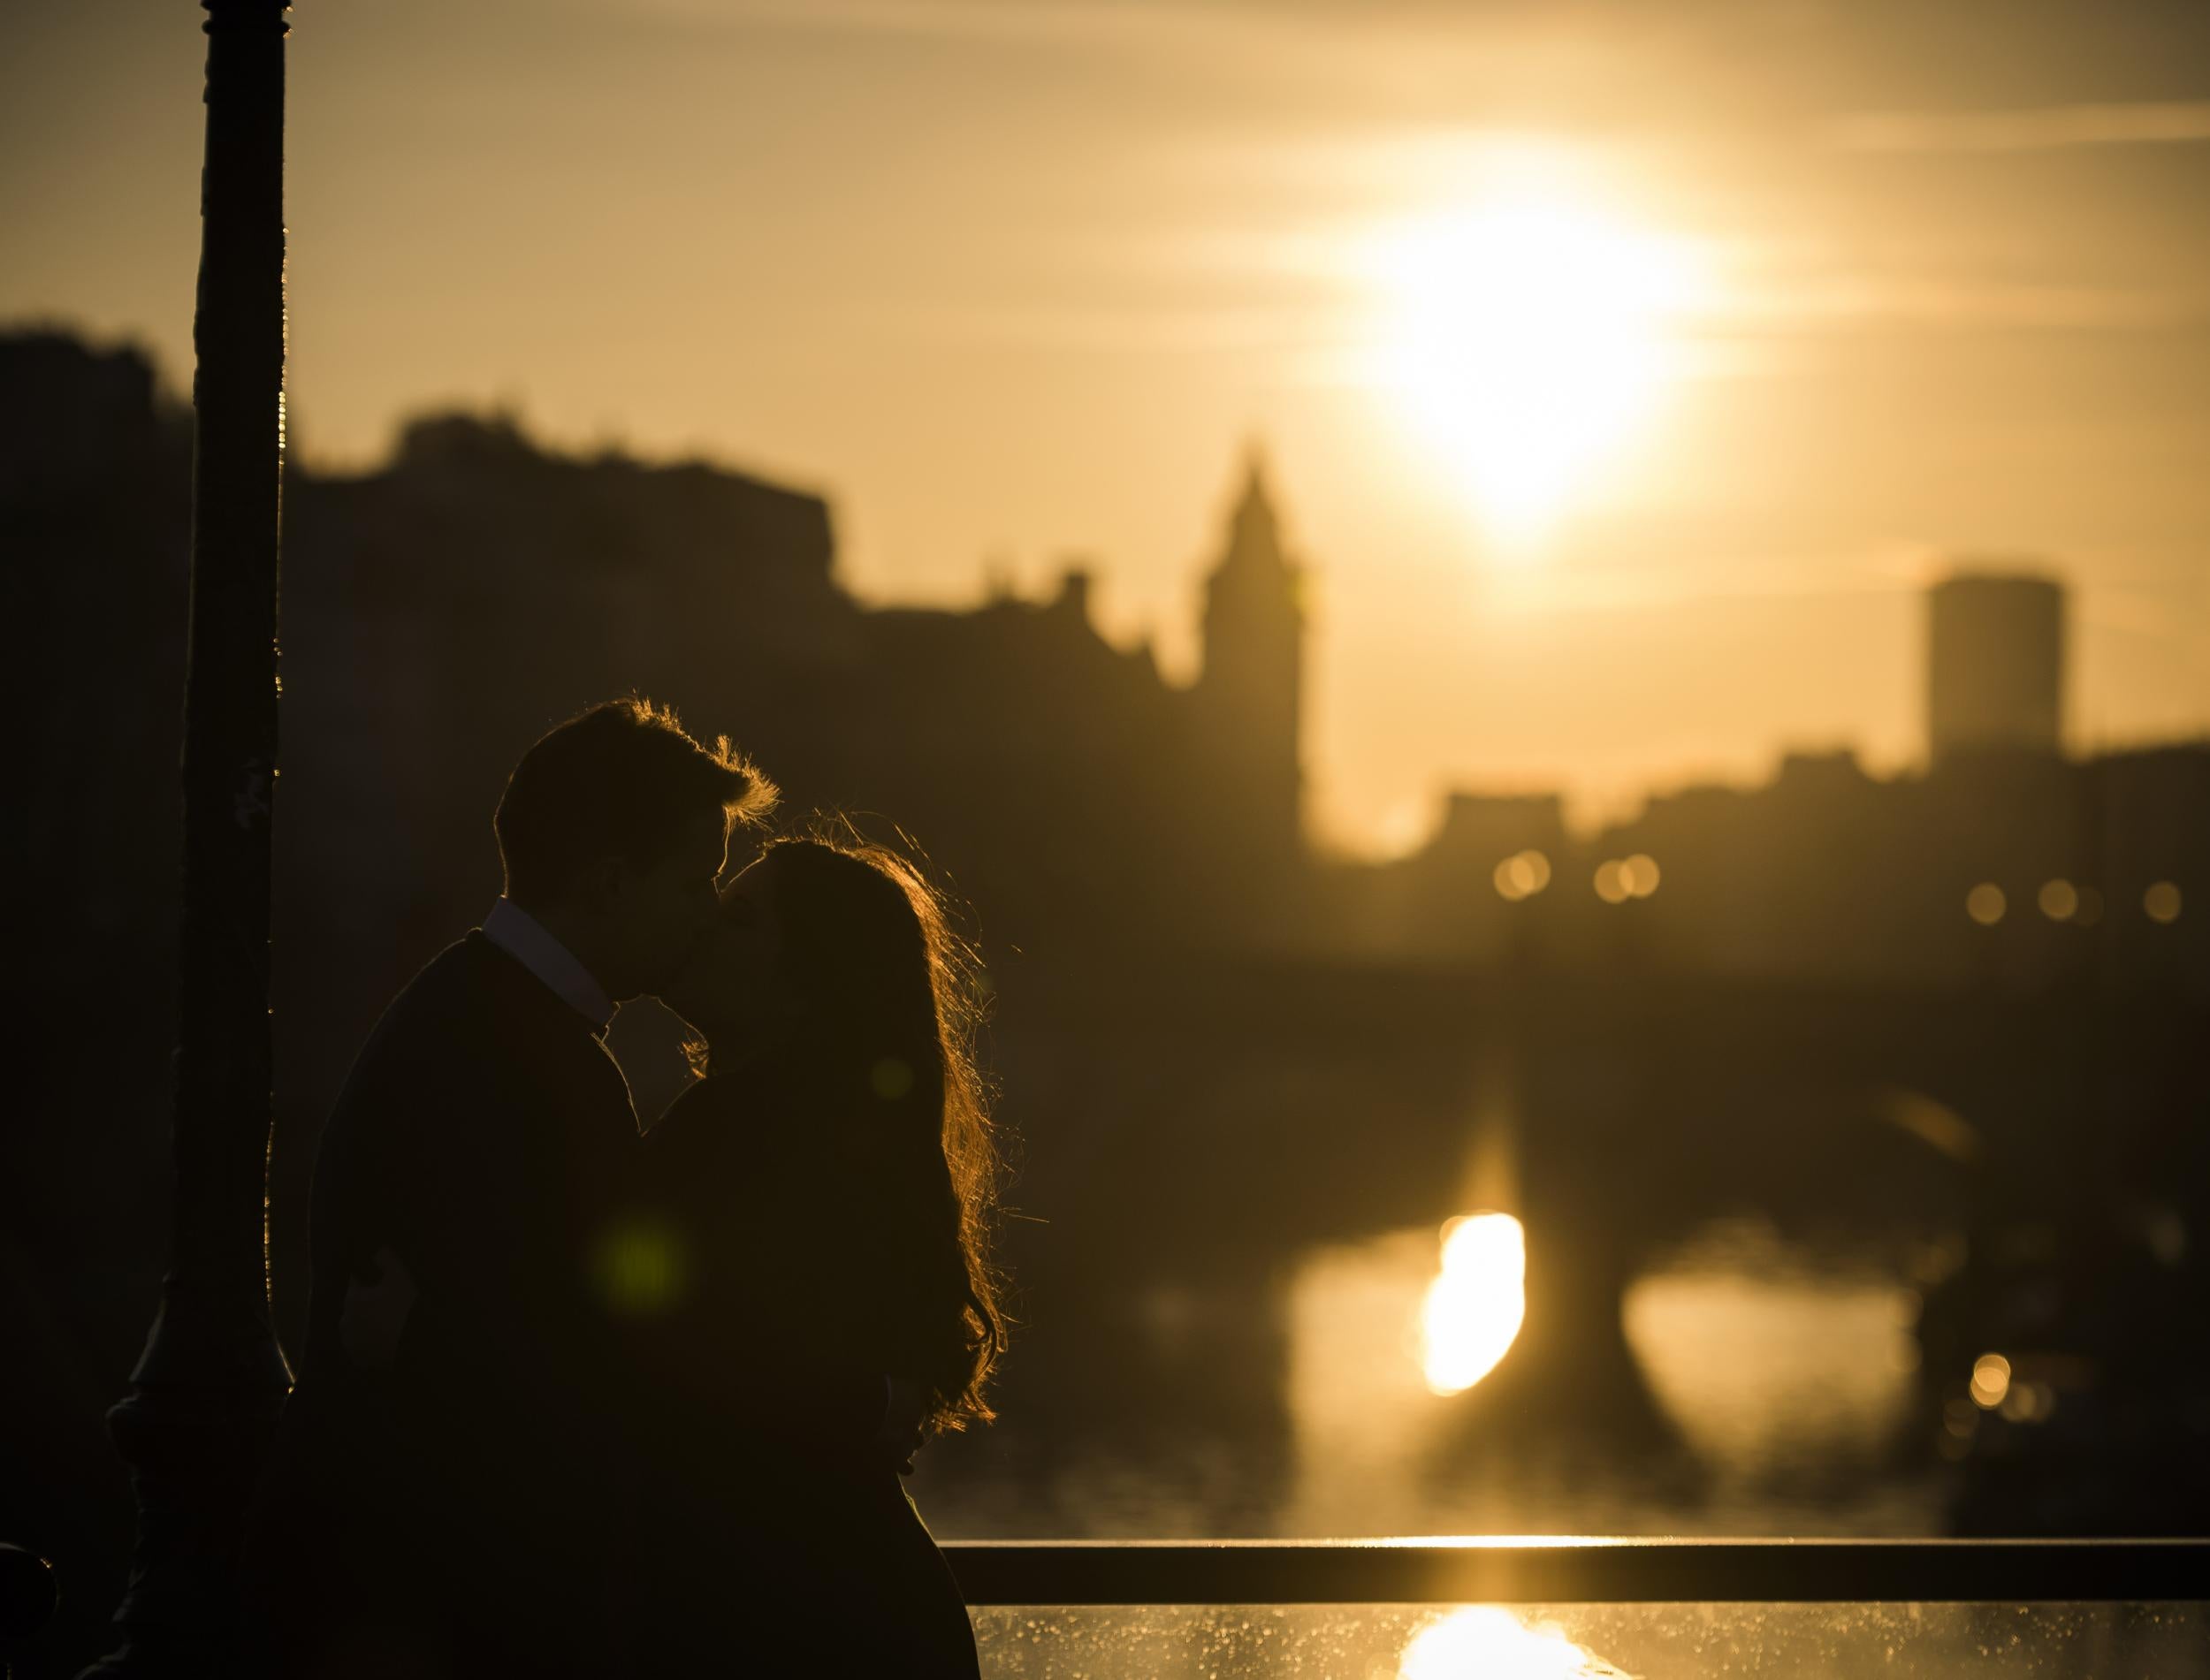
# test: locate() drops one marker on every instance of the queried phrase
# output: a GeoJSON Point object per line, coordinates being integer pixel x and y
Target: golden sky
{"type": "Point", "coordinates": [1623, 365]}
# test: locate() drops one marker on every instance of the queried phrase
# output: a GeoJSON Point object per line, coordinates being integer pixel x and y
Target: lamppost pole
{"type": "Point", "coordinates": [207, 1391]}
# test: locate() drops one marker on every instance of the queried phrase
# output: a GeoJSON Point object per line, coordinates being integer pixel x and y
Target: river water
{"type": "Point", "coordinates": [1783, 1378]}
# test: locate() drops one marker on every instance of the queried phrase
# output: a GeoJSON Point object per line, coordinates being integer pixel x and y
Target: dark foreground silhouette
{"type": "Point", "coordinates": [571, 1404]}
{"type": "Point", "coordinates": [819, 1200]}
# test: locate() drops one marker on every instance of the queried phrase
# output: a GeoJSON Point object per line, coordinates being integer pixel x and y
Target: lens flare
{"type": "Point", "coordinates": [640, 1267]}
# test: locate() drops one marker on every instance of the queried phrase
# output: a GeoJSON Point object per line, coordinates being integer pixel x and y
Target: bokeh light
{"type": "Point", "coordinates": [1985, 904]}
{"type": "Point", "coordinates": [2161, 901]}
{"type": "Point", "coordinates": [1640, 875]}
{"type": "Point", "coordinates": [2058, 901]}
{"type": "Point", "coordinates": [1523, 874]}
{"type": "Point", "coordinates": [1990, 1380]}
{"type": "Point", "coordinates": [1611, 882]}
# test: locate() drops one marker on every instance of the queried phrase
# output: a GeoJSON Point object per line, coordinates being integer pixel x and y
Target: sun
{"type": "Point", "coordinates": [1527, 337]}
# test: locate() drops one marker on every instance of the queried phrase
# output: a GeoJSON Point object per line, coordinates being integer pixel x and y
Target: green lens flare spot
{"type": "Point", "coordinates": [640, 1268]}
{"type": "Point", "coordinates": [891, 1078]}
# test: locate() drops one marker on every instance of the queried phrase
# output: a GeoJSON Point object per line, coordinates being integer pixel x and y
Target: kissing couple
{"type": "Point", "coordinates": [579, 1401]}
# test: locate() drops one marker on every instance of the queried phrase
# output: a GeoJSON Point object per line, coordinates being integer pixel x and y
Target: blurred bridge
{"type": "Point", "coordinates": [1200, 1117]}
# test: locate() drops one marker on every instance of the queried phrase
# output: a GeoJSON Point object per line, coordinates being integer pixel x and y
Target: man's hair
{"type": "Point", "coordinates": [621, 781]}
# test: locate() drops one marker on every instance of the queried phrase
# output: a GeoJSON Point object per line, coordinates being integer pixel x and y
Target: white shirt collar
{"type": "Point", "coordinates": [526, 939]}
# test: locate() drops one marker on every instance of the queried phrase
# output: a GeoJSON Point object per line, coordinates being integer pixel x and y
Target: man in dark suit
{"type": "Point", "coordinates": [444, 1504]}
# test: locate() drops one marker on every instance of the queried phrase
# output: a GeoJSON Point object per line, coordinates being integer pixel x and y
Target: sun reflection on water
{"type": "Point", "coordinates": [1475, 1307]}
{"type": "Point", "coordinates": [1491, 1643]}
{"type": "Point", "coordinates": [1770, 1365]}
{"type": "Point", "coordinates": [1768, 1360]}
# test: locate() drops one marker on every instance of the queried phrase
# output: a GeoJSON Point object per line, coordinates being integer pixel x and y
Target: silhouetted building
{"type": "Point", "coordinates": [476, 589]}
{"type": "Point", "coordinates": [1995, 665]}
{"type": "Point", "coordinates": [1468, 896]}
{"type": "Point", "coordinates": [1250, 694]}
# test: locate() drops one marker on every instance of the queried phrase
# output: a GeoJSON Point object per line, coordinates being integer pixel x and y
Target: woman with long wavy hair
{"type": "Point", "coordinates": [824, 1196]}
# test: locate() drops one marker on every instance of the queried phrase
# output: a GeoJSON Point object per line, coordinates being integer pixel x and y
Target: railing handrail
{"type": "Point", "coordinates": [1511, 1569]}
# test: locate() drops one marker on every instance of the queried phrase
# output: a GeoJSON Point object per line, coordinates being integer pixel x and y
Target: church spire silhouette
{"type": "Point", "coordinates": [1254, 532]}
{"type": "Point", "coordinates": [1252, 686]}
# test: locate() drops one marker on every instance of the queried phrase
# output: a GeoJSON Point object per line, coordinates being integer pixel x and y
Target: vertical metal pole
{"type": "Point", "coordinates": [207, 1391]}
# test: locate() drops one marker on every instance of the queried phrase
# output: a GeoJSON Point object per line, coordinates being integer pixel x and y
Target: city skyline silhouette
{"type": "Point", "coordinates": [1414, 824]}
{"type": "Point", "coordinates": [1850, 291]}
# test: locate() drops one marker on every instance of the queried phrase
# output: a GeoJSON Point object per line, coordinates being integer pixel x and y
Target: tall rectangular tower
{"type": "Point", "coordinates": [1994, 664]}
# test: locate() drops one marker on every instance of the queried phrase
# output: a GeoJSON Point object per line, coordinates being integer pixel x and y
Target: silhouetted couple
{"type": "Point", "coordinates": [575, 1401]}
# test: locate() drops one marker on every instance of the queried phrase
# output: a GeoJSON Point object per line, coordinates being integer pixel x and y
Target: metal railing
{"type": "Point", "coordinates": [1483, 1570]}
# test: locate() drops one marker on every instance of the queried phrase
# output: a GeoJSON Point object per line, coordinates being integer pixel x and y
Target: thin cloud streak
{"type": "Point", "coordinates": [1063, 23]}
{"type": "Point", "coordinates": [2045, 129]}
{"type": "Point", "coordinates": [1334, 55]}
{"type": "Point", "coordinates": [1843, 301]}
{"type": "Point", "coordinates": [2104, 608]}
{"type": "Point", "coordinates": [1110, 331]}
{"type": "Point", "coordinates": [1684, 586]}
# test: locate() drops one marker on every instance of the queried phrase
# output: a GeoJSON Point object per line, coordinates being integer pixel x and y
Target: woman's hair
{"type": "Point", "coordinates": [890, 999]}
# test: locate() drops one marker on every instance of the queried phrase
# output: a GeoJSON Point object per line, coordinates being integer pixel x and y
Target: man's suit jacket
{"type": "Point", "coordinates": [465, 1497]}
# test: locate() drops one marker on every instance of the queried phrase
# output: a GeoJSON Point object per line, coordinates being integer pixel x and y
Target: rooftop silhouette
{"type": "Point", "coordinates": [1074, 793]}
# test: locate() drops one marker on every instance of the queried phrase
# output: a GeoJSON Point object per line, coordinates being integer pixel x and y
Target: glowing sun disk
{"type": "Point", "coordinates": [1526, 339]}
